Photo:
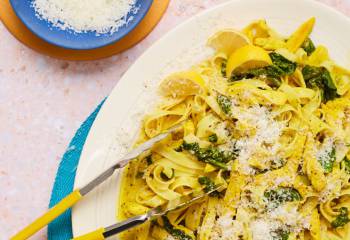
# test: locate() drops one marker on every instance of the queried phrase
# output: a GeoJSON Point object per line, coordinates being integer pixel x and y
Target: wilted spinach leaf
{"type": "Point", "coordinates": [176, 233]}
{"type": "Point", "coordinates": [207, 182]}
{"type": "Point", "coordinates": [166, 177]}
{"type": "Point", "coordinates": [139, 174]}
{"type": "Point", "coordinates": [211, 155]}
{"type": "Point", "coordinates": [280, 234]}
{"type": "Point", "coordinates": [288, 67]}
{"type": "Point", "coordinates": [209, 186]}
{"type": "Point", "coordinates": [276, 164]}
{"type": "Point", "coordinates": [320, 78]}
{"type": "Point", "coordinates": [346, 165]}
{"type": "Point", "coordinates": [224, 103]}
{"type": "Point", "coordinates": [308, 46]}
{"type": "Point", "coordinates": [223, 68]}
{"type": "Point", "coordinates": [327, 161]}
{"type": "Point", "coordinates": [213, 138]}
{"type": "Point", "coordinates": [149, 159]}
{"type": "Point", "coordinates": [281, 66]}
{"type": "Point", "coordinates": [341, 219]}
{"type": "Point", "coordinates": [280, 195]}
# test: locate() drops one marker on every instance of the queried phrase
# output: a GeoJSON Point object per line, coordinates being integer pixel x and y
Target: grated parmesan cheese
{"type": "Point", "coordinates": [268, 226]}
{"type": "Point", "coordinates": [284, 179]}
{"type": "Point", "coordinates": [291, 217]}
{"type": "Point", "coordinates": [100, 16]}
{"type": "Point", "coordinates": [325, 150]}
{"type": "Point", "coordinates": [332, 189]}
{"type": "Point", "coordinates": [226, 228]}
{"type": "Point", "coordinates": [261, 229]}
{"type": "Point", "coordinates": [221, 130]}
{"type": "Point", "coordinates": [267, 132]}
{"type": "Point", "coordinates": [169, 237]}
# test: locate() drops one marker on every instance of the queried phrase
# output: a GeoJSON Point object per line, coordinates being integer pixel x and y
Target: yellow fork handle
{"type": "Point", "coordinates": [45, 219]}
{"type": "Point", "coordinates": [95, 235]}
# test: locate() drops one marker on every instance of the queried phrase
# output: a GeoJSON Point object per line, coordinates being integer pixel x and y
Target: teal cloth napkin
{"type": "Point", "coordinates": [61, 228]}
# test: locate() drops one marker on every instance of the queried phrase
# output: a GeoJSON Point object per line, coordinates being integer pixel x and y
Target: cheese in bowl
{"type": "Point", "coordinates": [85, 15]}
{"type": "Point", "coordinates": [268, 117]}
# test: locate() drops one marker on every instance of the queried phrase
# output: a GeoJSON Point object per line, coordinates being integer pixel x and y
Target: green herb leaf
{"type": "Point", "coordinates": [139, 174]}
{"type": "Point", "coordinates": [166, 177]}
{"type": "Point", "coordinates": [176, 233]}
{"type": "Point", "coordinates": [191, 147]}
{"type": "Point", "coordinates": [213, 138]}
{"type": "Point", "coordinates": [276, 197]}
{"type": "Point", "coordinates": [223, 68]}
{"type": "Point", "coordinates": [284, 236]}
{"type": "Point", "coordinates": [210, 186]}
{"type": "Point", "coordinates": [327, 161]}
{"type": "Point", "coordinates": [346, 165]}
{"type": "Point", "coordinates": [149, 160]}
{"type": "Point", "coordinates": [320, 78]}
{"type": "Point", "coordinates": [288, 67]}
{"type": "Point", "coordinates": [224, 103]}
{"type": "Point", "coordinates": [341, 219]}
{"type": "Point", "coordinates": [179, 148]}
{"type": "Point", "coordinates": [280, 234]}
{"type": "Point", "coordinates": [207, 182]}
{"type": "Point", "coordinates": [308, 46]}
{"type": "Point", "coordinates": [211, 155]}
{"type": "Point", "coordinates": [273, 73]}
{"type": "Point", "coordinates": [275, 164]}
{"type": "Point", "coordinates": [226, 174]}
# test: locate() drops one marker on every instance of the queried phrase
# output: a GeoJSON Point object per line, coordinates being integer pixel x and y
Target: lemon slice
{"type": "Point", "coordinates": [227, 41]}
{"type": "Point", "coordinates": [183, 84]}
{"type": "Point", "coordinates": [247, 57]}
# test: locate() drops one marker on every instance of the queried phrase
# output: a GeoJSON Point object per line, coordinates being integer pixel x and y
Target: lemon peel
{"type": "Point", "coordinates": [183, 84]}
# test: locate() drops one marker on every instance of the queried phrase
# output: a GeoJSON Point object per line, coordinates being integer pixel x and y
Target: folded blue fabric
{"type": "Point", "coordinates": [61, 228]}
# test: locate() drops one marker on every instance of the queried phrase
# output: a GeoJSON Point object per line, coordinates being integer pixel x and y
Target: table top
{"type": "Point", "coordinates": [43, 101]}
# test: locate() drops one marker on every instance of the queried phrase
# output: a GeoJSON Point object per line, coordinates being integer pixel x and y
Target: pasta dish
{"type": "Point", "coordinates": [268, 118]}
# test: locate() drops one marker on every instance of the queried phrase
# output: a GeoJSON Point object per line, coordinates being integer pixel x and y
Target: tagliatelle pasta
{"type": "Point", "coordinates": [268, 118]}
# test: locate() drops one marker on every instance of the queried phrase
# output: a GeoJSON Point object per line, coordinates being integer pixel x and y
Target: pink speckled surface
{"type": "Point", "coordinates": [42, 103]}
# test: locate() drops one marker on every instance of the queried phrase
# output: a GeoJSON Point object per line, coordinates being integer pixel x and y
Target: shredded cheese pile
{"type": "Point", "coordinates": [100, 16]}
{"type": "Point", "coordinates": [267, 131]}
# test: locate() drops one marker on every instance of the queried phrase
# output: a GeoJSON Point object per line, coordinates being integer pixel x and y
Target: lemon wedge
{"type": "Point", "coordinates": [299, 36]}
{"type": "Point", "coordinates": [227, 41]}
{"type": "Point", "coordinates": [183, 84]}
{"type": "Point", "coordinates": [247, 57]}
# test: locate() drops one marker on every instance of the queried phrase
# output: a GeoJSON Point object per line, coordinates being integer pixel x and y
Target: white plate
{"type": "Point", "coordinates": [118, 120]}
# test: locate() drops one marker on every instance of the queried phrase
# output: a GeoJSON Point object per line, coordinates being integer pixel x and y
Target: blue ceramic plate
{"type": "Point", "coordinates": [70, 39]}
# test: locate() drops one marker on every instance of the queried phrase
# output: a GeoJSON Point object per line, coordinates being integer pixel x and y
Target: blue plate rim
{"type": "Point", "coordinates": [132, 26]}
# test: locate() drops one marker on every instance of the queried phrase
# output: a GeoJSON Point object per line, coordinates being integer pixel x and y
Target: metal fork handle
{"type": "Point", "coordinates": [125, 160]}
{"type": "Point", "coordinates": [102, 177]}
{"type": "Point", "coordinates": [122, 163]}
{"type": "Point", "coordinates": [125, 225]}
